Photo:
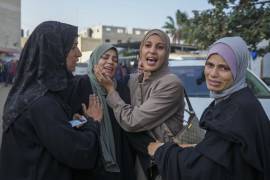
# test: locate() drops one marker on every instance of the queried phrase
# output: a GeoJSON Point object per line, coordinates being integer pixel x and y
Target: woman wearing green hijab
{"type": "Point", "coordinates": [116, 157]}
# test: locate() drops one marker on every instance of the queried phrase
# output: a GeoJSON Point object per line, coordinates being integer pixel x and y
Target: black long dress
{"type": "Point", "coordinates": [38, 141]}
{"type": "Point", "coordinates": [42, 144]}
{"type": "Point", "coordinates": [127, 144]}
{"type": "Point", "coordinates": [236, 146]}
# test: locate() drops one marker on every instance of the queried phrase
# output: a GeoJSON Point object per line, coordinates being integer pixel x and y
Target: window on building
{"type": "Point", "coordinates": [107, 40]}
{"type": "Point", "coordinates": [119, 41]}
{"type": "Point", "coordinates": [137, 32]}
{"type": "Point", "coordinates": [108, 29]}
{"type": "Point", "coordinates": [120, 31]}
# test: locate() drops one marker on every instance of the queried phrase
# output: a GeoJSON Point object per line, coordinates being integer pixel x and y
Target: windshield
{"type": "Point", "coordinates": [193, 80]}
{"type": "Point", "coordinates": [257, 87]}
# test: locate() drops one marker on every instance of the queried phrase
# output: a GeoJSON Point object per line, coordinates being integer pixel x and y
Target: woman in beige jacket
{"type": "Point", "coordinates": [157, 98]}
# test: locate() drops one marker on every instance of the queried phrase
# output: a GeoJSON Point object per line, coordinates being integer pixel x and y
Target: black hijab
{"type": "Point", "coordinates": [41, 68]}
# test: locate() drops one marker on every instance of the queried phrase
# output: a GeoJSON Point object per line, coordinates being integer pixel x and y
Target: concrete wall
{"type": "Point", "coordinates": [10, 24]}
{"type": "Point", "coordinates": [116, 34]}
{"type": "Point", "coordinates": [86, 43]}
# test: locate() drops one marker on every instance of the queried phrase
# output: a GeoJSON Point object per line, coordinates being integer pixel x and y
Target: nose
{"type": "Point", "coordinates": [110, 60]}
{"type": "Point", "coordinates": [78, 53]}
{"type": "Point", "coordinates": [153, 49]}
{"type": "Point", "coordinates": [213, 72]}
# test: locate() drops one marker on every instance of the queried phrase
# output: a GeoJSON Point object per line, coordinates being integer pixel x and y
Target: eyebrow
{"type": "Point", "coordinates": [159, 43]}
{"type": "Point", "coordinates": [218, 65]}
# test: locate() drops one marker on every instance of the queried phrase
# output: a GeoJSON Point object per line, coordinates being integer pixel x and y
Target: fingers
{"type": "Point", "coordinates": [91, 100]}
{"type": "Point", "coordinates": [94, 100]}
{"type": "Point", "coordinates": [98, 73]}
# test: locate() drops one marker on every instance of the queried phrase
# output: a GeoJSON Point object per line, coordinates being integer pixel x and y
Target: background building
{"type": "Point", "coordinates": [10, 25]}
{"type": "Point", "coordinates": [96, 35]}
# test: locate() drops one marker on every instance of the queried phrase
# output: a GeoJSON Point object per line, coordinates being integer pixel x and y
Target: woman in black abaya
{"type": "Point", "coordinates": [38, 140]}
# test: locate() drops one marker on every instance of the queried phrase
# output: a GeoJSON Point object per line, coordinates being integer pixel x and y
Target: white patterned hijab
{"type": "Point", "coordinates": [241, 52]}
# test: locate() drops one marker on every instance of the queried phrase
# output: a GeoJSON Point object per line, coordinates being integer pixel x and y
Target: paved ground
{"type": "Point", "coordinates": [3, 95]}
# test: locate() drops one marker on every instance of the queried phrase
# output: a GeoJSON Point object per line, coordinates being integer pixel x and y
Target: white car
{"type": "Point", "coordinates": [81, 69]}
{"type": "Point", "coordinates": [191, 74]}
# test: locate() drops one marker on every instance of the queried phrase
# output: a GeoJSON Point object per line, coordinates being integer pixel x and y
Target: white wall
{"type": "Point", "coordinates": [10, 24]}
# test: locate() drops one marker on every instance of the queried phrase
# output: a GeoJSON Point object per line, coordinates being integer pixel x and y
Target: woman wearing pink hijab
{"type": "Point", "coordinates": [237, 141]}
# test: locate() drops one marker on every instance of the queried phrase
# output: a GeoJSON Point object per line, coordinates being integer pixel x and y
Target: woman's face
{"type": "Point", "coordinates": [73, 55]}
{"type": "Point", "coordinates": [108, 63]}
{"type": "Point", "coordinates": [153, 53]}
{"type": "Point", "coordinates": [217, 74]}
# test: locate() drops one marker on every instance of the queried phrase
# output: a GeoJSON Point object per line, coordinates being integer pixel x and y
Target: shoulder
{"type": "Point", "coordinates": [170, 80]}
{"type": "Point", "coordinates": [242, 107]}
{"type": "Point", "coordinates": [81, 78]}
{"type": "Point", "coordinates": [82, 82]}
{"type": "Point", "coordinates": [45, 103]}
{"type": "Point", "coordinates": [245, 100]}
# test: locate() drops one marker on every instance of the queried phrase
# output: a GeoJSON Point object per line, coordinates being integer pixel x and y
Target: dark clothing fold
{"type": "Point", "coordinates": [43, 145]}
{"type": "Point", "coordinates": [236, 145]}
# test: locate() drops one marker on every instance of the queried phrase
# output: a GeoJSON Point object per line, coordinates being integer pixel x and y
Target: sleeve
{"type": "Point", "coordinates": [176, 163]}
{"type": "Point", "coordinates": [162, 104]}
{"type": "Point", "coordinates": [77, 148]}
{"type": "Point", "coordinates": [139, 141]}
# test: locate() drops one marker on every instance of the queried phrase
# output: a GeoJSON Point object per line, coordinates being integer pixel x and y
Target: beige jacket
{"type": "Point", "coordinates": [156, 104]}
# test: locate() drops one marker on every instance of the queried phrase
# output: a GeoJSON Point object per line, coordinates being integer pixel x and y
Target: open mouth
{"type": "Point", "coordinates": [108, 70]}
{"type": "Point", "coordinates": [151, 61]}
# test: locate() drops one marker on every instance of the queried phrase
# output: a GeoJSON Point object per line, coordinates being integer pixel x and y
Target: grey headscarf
{"type": "Point", "coordinates": [106, 132]}
{"type": "Point", "coordinates": [242, 55]}
{"type": "Point", "coordinates": [165, 38]}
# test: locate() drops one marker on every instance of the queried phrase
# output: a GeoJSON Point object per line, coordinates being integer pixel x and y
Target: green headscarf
{"type": "Point", "coordinates": [106, 132]}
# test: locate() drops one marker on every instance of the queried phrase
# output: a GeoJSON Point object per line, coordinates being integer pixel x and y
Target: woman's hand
{"type": "Point", "coordinates": [103, 80]}
{"type": "Point", "coordinates": [95, 109]}
{"type": "Point", "coordinates": [152, 147]}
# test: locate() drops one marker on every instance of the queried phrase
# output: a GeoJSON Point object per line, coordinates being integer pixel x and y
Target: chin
{"type": "Point", "coordinates": [214, 89]}
{"type": "Point", "coordinates": [150, 69]}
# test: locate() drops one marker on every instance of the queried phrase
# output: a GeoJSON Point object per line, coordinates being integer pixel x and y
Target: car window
{"type": "Point", "coordinates": [193, 80]}
{"type": "Point", "coordinates": [256, 86]}
{"type": "Point", "coordinates": [82, 65]}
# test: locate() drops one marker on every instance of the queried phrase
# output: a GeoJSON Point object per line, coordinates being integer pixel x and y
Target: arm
{"type": "Point", "coordinates": [162, 104]}
{"type": "Point", "coordinates": [205, 160]}
{"type": "Point", "coordinates": [77, 148]}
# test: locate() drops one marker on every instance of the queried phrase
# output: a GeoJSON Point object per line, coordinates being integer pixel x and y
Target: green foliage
{"type": "Point", "coordinates": [249, 19]}
{"type": "Point", "coordinates": [175, 27]}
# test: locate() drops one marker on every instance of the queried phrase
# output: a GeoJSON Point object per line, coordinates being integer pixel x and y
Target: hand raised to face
{"type": "Point", "coordinates": [103, 80]}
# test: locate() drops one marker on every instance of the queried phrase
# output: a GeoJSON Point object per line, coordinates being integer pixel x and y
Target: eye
{"type": "Point", "coordinates": [160, 47]}
{"type": "Point", "coordinates": [104, 57]}
{"type": "Point", "coordinates": [148, 45]}
{"type": "Point", "coordinates": [209, 65]}
{"type": "Point", "coordinates": [224, 68]}
{"type": "Point", "coordinates": [115, 59]}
